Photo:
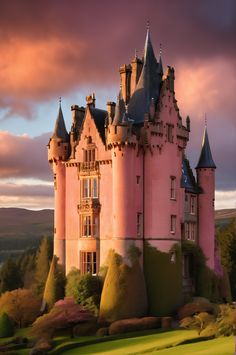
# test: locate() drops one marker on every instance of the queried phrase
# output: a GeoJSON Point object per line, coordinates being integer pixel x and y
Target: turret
{"type": "Point", "coordinates": [58, 152]}
{"type": "Point", "coordinates": [206, 180]}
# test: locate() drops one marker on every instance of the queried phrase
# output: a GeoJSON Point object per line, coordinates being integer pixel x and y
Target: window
{"type": "Point", "coordinates": [90, 188]}
{"type": "Point", "coordinates": [170, 137]}
{"type": "Point", "coordinates": [139, 224]}
{"type": "Point", "coordinates": [88, 262]}
{"type": "Point", "coordinates": [173, 187]}
{"type": "Point", "coordinates": [192, 204]}
{"type": "Point", "coordinates": [138, 179]}
{"type": "Point", "coordinates": [89, 155]}
{"type": "Point", "coordinates": [172, 224]}
{"type": "Point", "coordinates": [89, 226]}
{"type": "Point", "coordinates": [190, 230]}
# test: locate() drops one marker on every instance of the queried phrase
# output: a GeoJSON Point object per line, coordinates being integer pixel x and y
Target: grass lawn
{"type": "Point", "coordinates": [160, 344]}
{"type": "Point", "coordinates": [136, 344]}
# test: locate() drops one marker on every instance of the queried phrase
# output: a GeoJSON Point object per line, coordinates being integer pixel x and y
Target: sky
{"type": "Point", "coordinates": [72, 48]}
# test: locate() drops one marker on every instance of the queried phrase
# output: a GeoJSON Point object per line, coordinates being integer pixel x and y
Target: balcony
{"type": "Point", "coordinates": [88, 167]}
{"type": "Point", "coordinates": [89, 205]}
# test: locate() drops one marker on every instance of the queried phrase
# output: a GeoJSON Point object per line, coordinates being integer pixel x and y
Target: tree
{"type": "Point", "coordinates": [124, 291]}
{"type": "Point", "coordinates": [65, 314]}
{"type": "Point", "coordinates": [43, 258]}
{"type": "Point", "coordinates": [21, 305]}
{"type": "Point", "coordinates": [6, 326]}
{"type": "Point", "coordinates": [227, 241]}
{"type": "Point", "coordinates": [85, 289]}
{"type": "Point", "coordinates": [26, 265]}
{"type": "Point", "coordinates": [55, 284]}
{"type": "Point", "coordinates": [10, 276]}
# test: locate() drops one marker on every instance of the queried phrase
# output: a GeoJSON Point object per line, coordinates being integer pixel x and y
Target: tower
{"type": "Point", "coordinates": [206, 180]}
{"type": "Point", "coordinates": [58, 153]}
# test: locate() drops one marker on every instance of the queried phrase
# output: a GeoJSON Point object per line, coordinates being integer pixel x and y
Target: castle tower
{"type": "Point", "coordinates": [126, 181]}
{"type": "Point", "coordinates": [206, 180]}
{"type": "Point", "coordinates": [58, 152]}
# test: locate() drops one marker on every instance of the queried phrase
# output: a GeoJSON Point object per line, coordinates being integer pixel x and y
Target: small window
{"type": "Point", "coordinates": [192, 204]}
{"type": "Point", "coordinates": [90, 188]}
{"type": "Point", "coordinates": [89, 155]}
{"type": "Point", "coordinates": [172, 224]}
{"type": "Point", "coordinates": [85, 188]}
{"type": "Point", "coordinates": [170, 137]}
{"type": "Point", "coordinates": [138, 179]}
{"type": "Point", "coordinates": [88, 262]}
{"type": "Point", "coordinates": [139, 224]}
{"type": "Point", "coordinates": [94, 187]}
{"type": "Point", "coordinates": [190, 230]}
{"type": "Point", "coordinates": [173, 187]}
{"type": "Point", "coordinates": [87, 226]}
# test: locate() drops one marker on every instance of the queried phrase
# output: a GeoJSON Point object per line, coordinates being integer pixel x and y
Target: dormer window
{"type": "Point", "coordinates": [89, 155]}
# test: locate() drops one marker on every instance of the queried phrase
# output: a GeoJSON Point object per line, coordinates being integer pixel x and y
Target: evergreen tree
{"type": "Point", "coordinates": [10, 276]}
{"type": "Point", "coordinates": [43, 258]}
{"type": "Point", "coordinates": [227, 241]}
{"type": "Point", "coordinates": [6, 326]}
{"type": "Point", "coordinates": [55, 285]}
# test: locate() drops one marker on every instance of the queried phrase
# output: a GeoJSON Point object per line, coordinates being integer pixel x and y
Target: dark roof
{"type": "Point", "coordinates": [99, 117]}
{"type": "Point", "coordinates": [188, 180]}
{"type": "Point", "coordinates": [60, 127]}
{"type": "Point", "coordinates": [119, 111]}
{"type": "Point", "coordinates": [148, 86]}
{"type": "Point", "coordinates": [205, 160]}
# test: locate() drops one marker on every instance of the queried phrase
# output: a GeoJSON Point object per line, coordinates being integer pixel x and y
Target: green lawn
{"type": "Point", "coordinates": [161, 344]}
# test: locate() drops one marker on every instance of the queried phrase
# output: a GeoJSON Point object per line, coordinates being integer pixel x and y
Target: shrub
{"type": "Point", "coordinates": [226, 320]}
{"type": "Point", "coordinates": [21, 305]}
{"type": "Point", "coordinates": [199, 304]}
{"type": "Point", "coordinates": [134, 324]}
{"type": "Point", "coordinates": [6, 326]}
{"type": "Point", "coordinates": [102, 332]}
{"type": "Point", "coordinates": [89, 328]}
{"type": "Point", "coordinates": [124, 292]}
{"type": "Point", "coordinates": [55, 284]}
{"type": "Point", "coordinates": [85, 289]}
{"type": "Point", "coordinates": [166, 322]}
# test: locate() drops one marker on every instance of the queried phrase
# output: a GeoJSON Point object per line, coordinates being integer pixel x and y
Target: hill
{"type": "Point", "coordinates": [22, 229]}
{"type": "Point", "coordinates": [222, 217]}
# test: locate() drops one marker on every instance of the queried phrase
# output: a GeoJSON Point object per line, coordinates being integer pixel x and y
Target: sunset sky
{"type": "Point", "coordinates": [73, 48]}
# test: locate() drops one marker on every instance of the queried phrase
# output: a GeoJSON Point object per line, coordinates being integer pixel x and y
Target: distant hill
{"type": "Point", "coordinates": [222, 217]}
{"type": "Point", "coordinates": [22, 229]}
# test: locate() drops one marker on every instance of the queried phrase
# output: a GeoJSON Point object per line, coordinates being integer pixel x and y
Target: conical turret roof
{"type": "Point", "coordinates": [119, 110]}
{"type": "Point", "coordinates": [148, 86]}
{"type": "Point", "coordinates": [205, 160]}
{"type": "Point", "coordinates": [60, 127]}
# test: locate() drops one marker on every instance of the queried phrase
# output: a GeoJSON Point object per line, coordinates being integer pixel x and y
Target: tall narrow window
{"type": "Point", "coordinates": [169, 133]}
{"type": "Point", "coordinates": [139, 224]}
{"type": "Point", "coordinates": [86, 226]}
{"type": "Point", "coordinates": [173, 187]}
{"type": "Point", "coordinates": [94, 187]}
{"type": "Point", "coordinates": [85, 188]}
{"type": "Point", "coordinates": [90, 188]}
{"type": "Point", "coordinates": [172, 224]}
{"type": "Point", "coordinates": [89, 155]}
{"type": "Point", "coordinates": [88, 262]}
{"type": "Point", "coordinates": [192, 204]}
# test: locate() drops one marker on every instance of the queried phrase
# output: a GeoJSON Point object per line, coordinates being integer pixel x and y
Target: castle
{"type": "Point", "coordinates": [121, 176]}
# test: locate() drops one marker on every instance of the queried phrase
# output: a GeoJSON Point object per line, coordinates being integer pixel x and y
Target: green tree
{"type": "Point", "coordinates": [10, 276]}
{"type": "Point", "coordinates": [226, 237]}
{"type": "Point", "coordinates": [6, 326]}
{"type": "Point", "coordinates": [85, 289]}
{"type": "Point", "coordinates": [43, 258]}
{"type": "Point", "coordinates": [55, 284]}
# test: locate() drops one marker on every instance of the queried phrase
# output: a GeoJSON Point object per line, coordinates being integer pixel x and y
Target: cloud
{"type": "Point", "coordinates": [23, 156]}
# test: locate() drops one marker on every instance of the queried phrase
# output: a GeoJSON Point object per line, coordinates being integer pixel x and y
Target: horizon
{"type": "Point", "coordinates": [44, 58]}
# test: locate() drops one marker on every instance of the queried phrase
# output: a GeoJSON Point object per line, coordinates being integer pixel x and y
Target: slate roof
{"type": "Point", "coordinates": [188, 180]}
{"type": "Point", "coordinates": [205, 159]}
{"type": "Point", "coordinates": [60, 127]}
{"type": "Point", "coordinates": [148, 86]}
{"type": "Point", "coordinates": [99, 117]}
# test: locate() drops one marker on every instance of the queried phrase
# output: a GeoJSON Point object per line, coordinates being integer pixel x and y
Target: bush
{"type": "Point", "coordinates": [102, 332]}
{"type": "Point", "coordinates": [166, 322]}
{"type": "Point", "coordinates": [124, 292]}
{"type": "Point", "coordinates": [21, 305]}
{"type": "Point", "coordinates": [89, 328]}
{"type": "Point", "coordinates": [85, 289]}
{"type": "Point", "coordinates": [134, 324]}
{"type": "Point", "coordinates": [198, 305]}
{"type": "Point", "coordinates": [6, 326]}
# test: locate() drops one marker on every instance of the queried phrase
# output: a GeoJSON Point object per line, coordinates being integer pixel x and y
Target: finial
{"type": "Point", "coordinates": [148, 24]}
{"type": "Point", "coordinates": [160, 51]}
{"type": "Point", "coordinates": [205, 119]}
{"type": "Point", "coordinates": [135, 53]}
{"type": "Point", "coordinates": [60, 100]}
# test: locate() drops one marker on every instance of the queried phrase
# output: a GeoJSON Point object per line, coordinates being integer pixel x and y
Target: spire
{"type": "Point", "coordinates": [119, 111]}
{"type": "Point", "coordinates": [205, 160]}
{"type": "Point", "coordinates": [160, 66]}
{"type": "Point", "coordinates": [60, 128]}
{"type": "Point", "coordinates": [148, 86]}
